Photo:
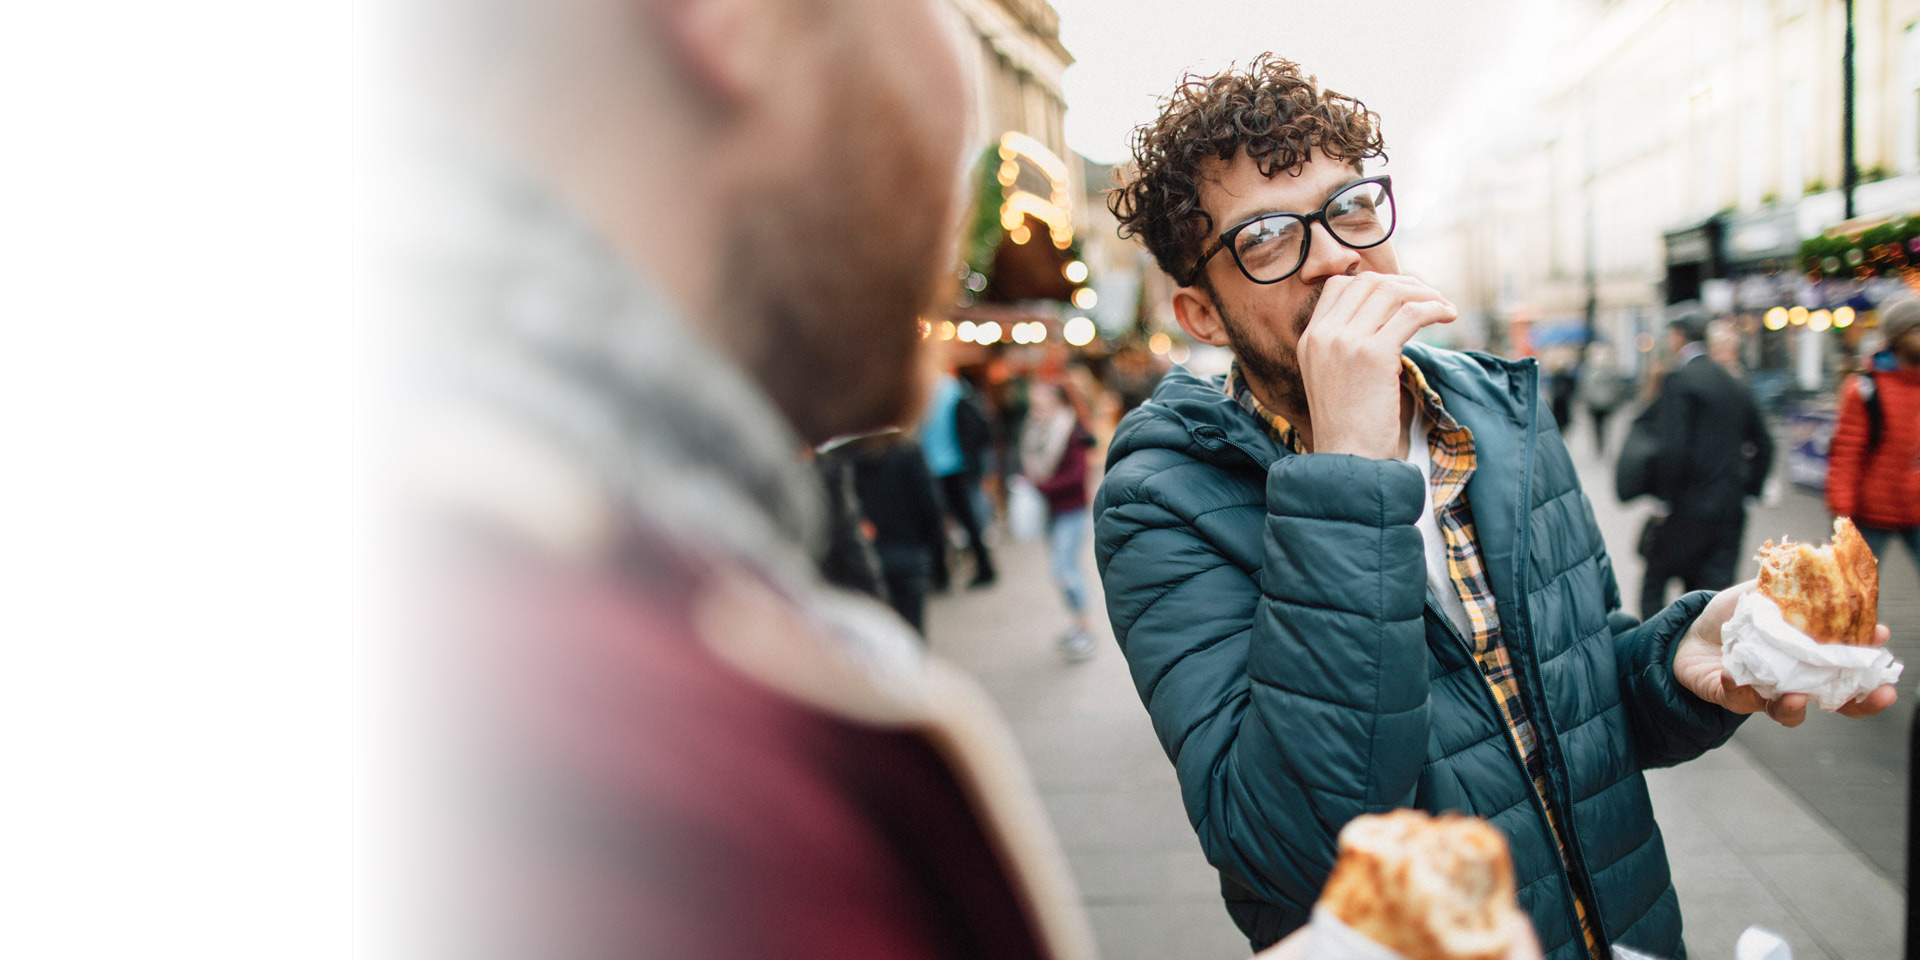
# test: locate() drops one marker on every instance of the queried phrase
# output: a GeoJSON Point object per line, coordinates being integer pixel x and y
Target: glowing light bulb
{"type": "Point", "coordinates": [1820, 320]}
{"type": "Point", "coordinates": [968, 330]}
{"type": "Point", "coordinates": [986, 333]}
{"type": "Point", "coordinates": [1085, 298]}
{"type": "Point", "coordinates": [1843, 317]}
{"type": "Point", "coordinates": [1160, 343]}
{"type": "Point", "coordinates": [1797, 315]}
{"type": "Point", "coordinates": [1075, 271]}
{"type": "Point", "coordinates": [1776, 319]}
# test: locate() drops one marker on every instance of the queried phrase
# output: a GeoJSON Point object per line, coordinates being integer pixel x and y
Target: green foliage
{"type": "Point", "coordinates": [984, 232]}
{"type": "Point", "coordinates": [1882, 250]}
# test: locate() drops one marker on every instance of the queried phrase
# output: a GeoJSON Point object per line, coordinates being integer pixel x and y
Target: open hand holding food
{"type": "Point", "coordinates": [1804, 629]}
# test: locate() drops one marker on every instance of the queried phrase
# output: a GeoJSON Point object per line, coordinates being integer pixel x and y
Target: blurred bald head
{"type": "Point", "coordinates": [788, 171]}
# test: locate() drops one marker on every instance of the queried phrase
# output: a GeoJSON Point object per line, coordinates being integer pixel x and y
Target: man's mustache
{"type": "Point", "coordinates": [1305, 313]}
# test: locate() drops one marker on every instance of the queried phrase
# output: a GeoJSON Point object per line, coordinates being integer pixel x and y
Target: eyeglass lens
{"type": "Point", "coordinates": [1270, 248]}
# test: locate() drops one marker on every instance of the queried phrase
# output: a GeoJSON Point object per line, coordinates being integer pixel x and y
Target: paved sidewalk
{"type": "Point", "coordinates": [1745, 849]}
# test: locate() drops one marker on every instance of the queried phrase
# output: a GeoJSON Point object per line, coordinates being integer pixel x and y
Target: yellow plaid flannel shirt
{"type": "Point", "coordinates": [1451, 446]}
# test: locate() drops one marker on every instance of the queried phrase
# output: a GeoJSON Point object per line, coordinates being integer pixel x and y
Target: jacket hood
{"type": "Point", "coordinates": [1194, 415]}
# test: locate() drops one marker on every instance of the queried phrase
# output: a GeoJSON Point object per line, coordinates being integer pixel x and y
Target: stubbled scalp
{"type": "Point", "coordinates": [1830, 593]}
{"type": "Point", "coordinates": [1269, 110]}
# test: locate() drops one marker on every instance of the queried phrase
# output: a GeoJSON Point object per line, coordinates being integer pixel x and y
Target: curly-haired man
{"type": "Point", "coordinates": [1358, 573]}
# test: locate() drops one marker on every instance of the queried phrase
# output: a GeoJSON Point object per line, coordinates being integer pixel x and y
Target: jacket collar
{"type": "Point", "coordinates": [1496, 399]}
{"type": "Point", "coordinates": [1194, 414]}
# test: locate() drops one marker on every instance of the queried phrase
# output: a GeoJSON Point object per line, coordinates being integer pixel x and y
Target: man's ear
{"type": "Point", "coordinates": [1194, 310]}
{"type": "Point", "coordinates": [720, 44]}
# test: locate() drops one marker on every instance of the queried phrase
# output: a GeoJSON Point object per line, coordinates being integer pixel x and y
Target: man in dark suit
{"type": "Point", "coordinates": [1714, 453]}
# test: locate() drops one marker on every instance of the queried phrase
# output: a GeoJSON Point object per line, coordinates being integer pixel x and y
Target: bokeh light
{"type": "Point", "coordinates": [1078, 331]}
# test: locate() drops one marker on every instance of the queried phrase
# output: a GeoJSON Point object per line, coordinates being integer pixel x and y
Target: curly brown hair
{"type": "Point", "coordinates": [1270, 110]}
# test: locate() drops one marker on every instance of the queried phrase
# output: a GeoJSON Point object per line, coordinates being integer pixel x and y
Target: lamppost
{"type": "Point", "coordinates": [1849, 169]}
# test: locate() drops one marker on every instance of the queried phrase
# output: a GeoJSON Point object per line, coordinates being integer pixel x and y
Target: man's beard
{"type": "Point", "coordinates": [825, 279]}
{"type": "Point", "coordinates": [1266, 361]}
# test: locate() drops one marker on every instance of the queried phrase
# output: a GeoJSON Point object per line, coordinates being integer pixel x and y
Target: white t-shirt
{"type": "Point", "coordinates": [1438, 582]}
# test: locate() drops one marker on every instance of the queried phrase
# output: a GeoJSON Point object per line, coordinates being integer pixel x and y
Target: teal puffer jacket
{"type": "Point", "coordinates": [1273, 609]}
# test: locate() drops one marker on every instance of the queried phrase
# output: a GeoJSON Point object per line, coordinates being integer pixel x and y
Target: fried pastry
{"type": "Point", "coordinates": [1429, 888]}
{"type": "Point", "coordinates": [1829, 593]}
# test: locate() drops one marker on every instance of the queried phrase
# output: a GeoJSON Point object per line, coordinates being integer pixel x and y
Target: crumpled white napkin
{"type": "Point", "coordinates": [1329, 938]}
{"type": "Point", "coordinates": [1759, 647]}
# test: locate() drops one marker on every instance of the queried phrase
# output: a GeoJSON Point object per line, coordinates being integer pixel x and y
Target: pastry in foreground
{"type": "Point", "coordinates": [1830, 593]}
{"type": "Point", "coordinates": [1429, 888]}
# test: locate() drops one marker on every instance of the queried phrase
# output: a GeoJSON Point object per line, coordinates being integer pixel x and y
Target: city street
{"type": "Point", "coordinates": [1801, 831]}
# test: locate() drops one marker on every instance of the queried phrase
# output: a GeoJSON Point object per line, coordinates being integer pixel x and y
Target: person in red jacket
{"type": "Point", "coordinates": [1873, 465]}
{"type": "Point", "coordinates": [1053, 456]}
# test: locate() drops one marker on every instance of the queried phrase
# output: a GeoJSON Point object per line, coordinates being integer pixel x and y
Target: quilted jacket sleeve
{"type": "Point", "coordinates": [1670, 724]}
{"type": "Point", "coordinates": [1290, 700]}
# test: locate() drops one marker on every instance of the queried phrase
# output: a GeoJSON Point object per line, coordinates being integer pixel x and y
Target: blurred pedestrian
{"type": "Point", "coordinates": [1713, 453]}
{"type": "Point", "coordinates": [686, 241]}
{"type": "Point", "coordinates": [1723, 345]}
{"type": "Point", "coordinates": [1602, 391]}
{"type": "Point", "coordinates": [957, 436]}
{"type": "Point", "coordinates": [850, 559]}
{"type": "Point", "coordinates": [1562, 382]}
{"type": "Point", "coordinates": [1053, 457]}
{"type": "Point", "coordinates": [898, 499]}
{"type": "Point", "coordinates": [1873, 463]}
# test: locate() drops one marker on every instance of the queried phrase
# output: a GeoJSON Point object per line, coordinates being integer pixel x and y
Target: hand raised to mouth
{"type": "Point", "coordinates": [1349, 357]}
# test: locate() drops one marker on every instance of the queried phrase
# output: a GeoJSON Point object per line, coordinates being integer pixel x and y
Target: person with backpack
{"type": "Point", "coordinates": [1873, 464]}
{"type": "Point", "coordinates": [1712, 453]}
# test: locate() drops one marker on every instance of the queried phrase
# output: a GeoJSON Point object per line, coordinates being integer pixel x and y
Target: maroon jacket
{"type": "Point", "coordinates": [630, 792]}
{"type": "Point", "coordinates": [1066, 490]}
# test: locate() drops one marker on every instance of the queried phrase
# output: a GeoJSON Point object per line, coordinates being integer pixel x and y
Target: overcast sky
{"type": "Point", "coordinates": [1405, 59]}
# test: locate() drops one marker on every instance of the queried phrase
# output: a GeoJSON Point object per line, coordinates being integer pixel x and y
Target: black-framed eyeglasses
{"type": "Point", "coordinates": [1273, 246]}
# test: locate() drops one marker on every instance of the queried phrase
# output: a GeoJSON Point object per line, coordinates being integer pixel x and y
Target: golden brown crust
{"type": "Point", "coordinates": [1429, 888]}
{"type": "Point", "coordinates": [1830, 593]}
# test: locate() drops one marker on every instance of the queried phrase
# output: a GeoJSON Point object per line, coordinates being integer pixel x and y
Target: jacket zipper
{"type": "Point", "coordinates": [1522, 547]}
{"type": "Point", "coordinates": [1539, 802]}
{"type": "Point", "coordinates": [1520, 763]}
